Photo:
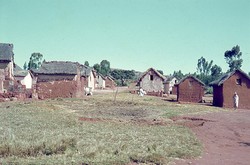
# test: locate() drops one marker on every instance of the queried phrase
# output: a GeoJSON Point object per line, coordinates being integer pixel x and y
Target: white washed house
{"type": "Point", "coordinates": [25, 77]}
{"type": "Point", "coordinates": [100, 81]}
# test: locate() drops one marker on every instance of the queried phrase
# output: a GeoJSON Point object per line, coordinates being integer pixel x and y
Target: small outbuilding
{"type": "Point", "coordinates": [225, 87]}
{"type": "Point", "coordinates": [190, 89]}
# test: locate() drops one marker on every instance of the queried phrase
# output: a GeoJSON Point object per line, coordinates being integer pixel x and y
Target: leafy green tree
{"type": "Point", "coordinates": [25, 66]}
{"type": "Point", "coordinates": [105, 67]}
{"type": "Point", "coordinates": [160, 71]}
{"type": "Point", "coordinates": [86, 63]}
{"type": "Point", "coordinates": [178, 74]}
{"type": "Point", "coordinates": [35, 61]}
{"type": "Point", "coordinates": [216, 71]}
{"type": "Point", "coordinates": [204, 67]}
{"type": "Point", "coordinates": [97, 67]}
{"type": "Point", "coordinates": [122, 76]}
{"type": "Point", "coordinates": [204, 70]}
{"type": "Point", "coordinates": [233, 58]}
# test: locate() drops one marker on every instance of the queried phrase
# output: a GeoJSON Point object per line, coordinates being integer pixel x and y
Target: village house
{"type": "Point", "coordinates": [109, 82]}
{"type": "Point", "coordinates": [100, 81]}
{"type": "Point", "coordinates": [169, 84]}
{"type": "Point", "coordinates": [63, 79]}
{"type": "Point", "coordinates": [10, 89]}
{"type": "Point", "coordinates": [225, 87]}
{"type": "Point", "coordinates": [22, 76]}
{"type": "Point", "coordinates": [152, 81]}
{"type": "Point", "coordinates": [6, 67]}
{"type": "Point", "coordinates": [190, 89]}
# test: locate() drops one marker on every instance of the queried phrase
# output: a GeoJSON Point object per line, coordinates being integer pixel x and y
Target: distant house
{"type": "Point", "coordinates": [100, 81]}
{"type": "Point", "coordinates": [90, 77]}
{"type": "Point", "coordinates": [62, 79]}
{"type": "Point", "coordinates": [225, 86]}
{"type": "Point", "coordinates": [152, 81]}
{"type": "Point", "coordinates": [7, 60]}
{"type": "Point", "coordinates": [22, 76]}
{"type": "Point", "coordinates": [6, 66]}
{"type": "Point", "coordinates": [169, 84]}
{"type": "Point", "coordinates": [109, 82]}
{"type": "Point", "coordinates": [190, 89]}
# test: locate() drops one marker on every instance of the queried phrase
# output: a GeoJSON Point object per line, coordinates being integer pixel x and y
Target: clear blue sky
{"type": "Point", "coordinates": [167, 35]}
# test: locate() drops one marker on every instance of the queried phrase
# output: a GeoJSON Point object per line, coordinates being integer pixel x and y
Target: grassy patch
{"type": "Point", "coordinates": [50, 132]}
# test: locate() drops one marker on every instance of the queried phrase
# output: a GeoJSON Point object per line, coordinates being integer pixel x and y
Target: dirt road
{"type": "Point", "coordinates": [225, 135]}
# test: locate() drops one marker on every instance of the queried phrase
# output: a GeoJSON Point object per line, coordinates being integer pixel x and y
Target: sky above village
{"type": "Point", "coordinates": [168, 35]}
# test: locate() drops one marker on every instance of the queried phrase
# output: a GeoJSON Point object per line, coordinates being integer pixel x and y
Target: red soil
{"type": "Point", "coordinates": [225, 136]}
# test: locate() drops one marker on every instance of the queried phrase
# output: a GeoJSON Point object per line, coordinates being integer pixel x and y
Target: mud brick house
{"type": "Point", "coordinates": [25, 77]}
{"type": "Point", "coordinates": [6, 66]}
{"type": "Point", "coordinates": [109, 82]}
{"type": "Point", "coordinates": [62, 79]}
{"type": "Point", "coordinates": [190, 89]}
{"type": "Point", "coordinates": [152, 81]}
{"type": "Point", "coordinates": [225, 86]}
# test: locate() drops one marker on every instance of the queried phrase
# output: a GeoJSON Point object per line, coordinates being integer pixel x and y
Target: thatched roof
{"type": "Point", "coordinates": [193, 77]}
{"type": "Point", "coordinates": [6, 52]}
{"type": "Point", "coordinates": [156, 72]}
{"type": "Point", "coordinates": [226, 76]}
{"type": "Point", "coordinates": [63, 67]}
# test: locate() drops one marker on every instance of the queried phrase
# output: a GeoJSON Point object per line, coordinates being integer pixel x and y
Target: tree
{"type": "Point", "coordinates": [178, 74]}
{"type": "Point", "coordinates": [35, 61]}
{"type": "Point", "coordinates": [105, 67]}
{"type": "Point", "coordinates": [160, 71]}
{"type": "Point", "coordinates": [204, 70]}
{"type": "Point", "coordinates": [86, 63]}
{"type": "Point", "coordinates": [203, 66]}
{"type": "Point", "coordinates": [233, 58]}
{"type": "Point", "coordinates": [216, 71]}
{"type": "Point", "coordinates": [122, 76]}
{"type": "Point", "coordinates": [97, 67]}
{"type": "Point", "coordinates": [25, 66]}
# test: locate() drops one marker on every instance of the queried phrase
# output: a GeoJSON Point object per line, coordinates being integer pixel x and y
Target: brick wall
{"type": "Point", "coordinates": [109, 83]}
{"type": "Point", "coordinates": [190, 90]}
{"type": "Point", "coordinates": [243, 90]}
{"type": "Point", "coordinates": [64, 88]}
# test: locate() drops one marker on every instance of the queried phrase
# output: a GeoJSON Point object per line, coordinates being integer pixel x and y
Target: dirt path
{"type": "Point", "coordinates": [226, 138]}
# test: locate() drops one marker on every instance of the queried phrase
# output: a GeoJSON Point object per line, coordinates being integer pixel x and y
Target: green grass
{"type": "Point", "coordinates": [50, 132]}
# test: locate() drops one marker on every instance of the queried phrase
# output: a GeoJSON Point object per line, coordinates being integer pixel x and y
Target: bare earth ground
{"type": "Point", "coordinates": [225, 136]}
